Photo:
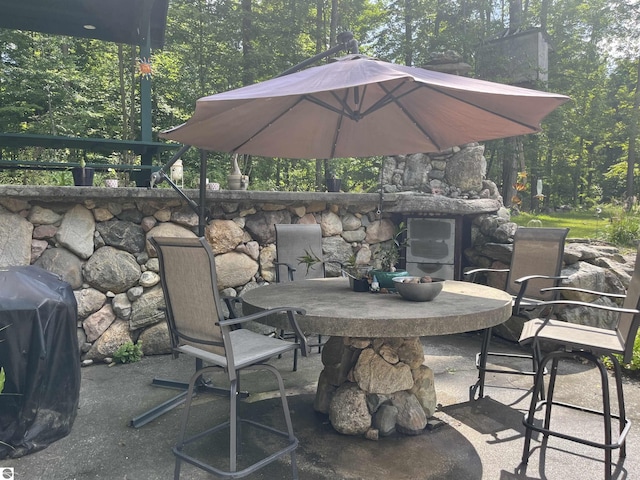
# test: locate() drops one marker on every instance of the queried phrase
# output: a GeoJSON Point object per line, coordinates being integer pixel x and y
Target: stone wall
{"type": "Point", "coordinates": [96, 240]}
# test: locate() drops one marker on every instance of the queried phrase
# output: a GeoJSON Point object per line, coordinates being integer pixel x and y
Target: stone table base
{"type": "Point", "coordinates": [375, 386]}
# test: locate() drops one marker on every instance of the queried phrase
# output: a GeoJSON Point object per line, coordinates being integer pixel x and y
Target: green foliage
{"type": "Point", "coordinates": [81, 87]}
{"type": "Point", "coordinates": [581, 224]}
{"type": "Point", "coordinates": [128, 353]}
{"type": "Point", "coordinates": [624, 230]}
{"type": "Point", "coordinates": [633, 365]}
{"type": "Point", "coordinates": [388, 255]}
{"type": "Point", "coordinates": [309, 259]}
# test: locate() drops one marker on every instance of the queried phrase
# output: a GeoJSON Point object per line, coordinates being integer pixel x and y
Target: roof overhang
{"type": "Point", "coordinates": [119, 21]}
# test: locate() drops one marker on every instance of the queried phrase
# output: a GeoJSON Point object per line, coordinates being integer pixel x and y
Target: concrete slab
{"type": "Point", "coordinates": [479, 440]}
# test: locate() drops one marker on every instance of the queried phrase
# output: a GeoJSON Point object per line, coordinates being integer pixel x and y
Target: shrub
{"type": "Point", "coordinates": [128, 353]}
{"type": "Point", "coordinates": [623, 231]}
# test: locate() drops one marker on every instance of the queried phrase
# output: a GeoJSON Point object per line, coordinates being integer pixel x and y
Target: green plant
{"type": "Point", "coordinates": [111, 173]}
{"type": "Point", "coordinates": [356, 270]}
{"type": "Point", "coordinates": [624, 230]}
{"type": "Point", "coordinates": [2, 374]}
{"type": "Point", "coordinates": [633, 365]}
{"type": "Point", "coordinates": [309, 259]}
{"type": "Point", "coordinates": [128, 353]}
{"type": "Point", "coordinates": [388, 255]}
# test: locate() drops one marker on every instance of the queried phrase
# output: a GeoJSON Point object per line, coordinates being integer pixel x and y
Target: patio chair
{"type": "Point", "coordinates": [293, 243]}
{"type": "Point", "coordinates": [536, 263]}
{"type": "Point", "coordinates": [589, 344]}
{"type": "Point", "coordinates": [197, 328]}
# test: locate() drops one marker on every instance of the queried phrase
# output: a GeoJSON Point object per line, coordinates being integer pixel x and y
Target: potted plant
{"type": "Point", "coordinates": [111, 180]}
{"type": "Point", "coordinates": [82, 175]}
{"type": "Point", "coordinates": [386, 259]}
{"type": "Point", "coordinates": [359, 278]}
{"type": "Point", "coordinates": [309, 259]}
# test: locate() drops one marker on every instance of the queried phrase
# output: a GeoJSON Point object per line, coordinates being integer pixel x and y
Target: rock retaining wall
{"type": "Point", "coordinates": [96, 238]}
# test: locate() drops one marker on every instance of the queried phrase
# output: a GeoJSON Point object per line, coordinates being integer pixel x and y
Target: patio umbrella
{"type": "Point", "coordinates": [359, 107]}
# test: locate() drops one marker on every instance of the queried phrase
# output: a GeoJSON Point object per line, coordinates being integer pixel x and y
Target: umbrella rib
{"type": "Point", "coordinates": [339, 124]}
{"type": "Point", "coordinates": [322, 104]}
{"type": "Point", "coordinates": [388, 98]}
{"type": "Point", "coordinates": [266, 125]}
{"type": "Point", "coordinates": [479, 107]}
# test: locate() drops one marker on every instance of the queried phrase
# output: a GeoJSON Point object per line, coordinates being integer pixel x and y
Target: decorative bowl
{"type": "Point", "coordinates": [410, 288]}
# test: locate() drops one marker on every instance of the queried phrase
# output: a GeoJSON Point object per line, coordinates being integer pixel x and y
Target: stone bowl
{"type": "Point", "coordinates": [410, 288]}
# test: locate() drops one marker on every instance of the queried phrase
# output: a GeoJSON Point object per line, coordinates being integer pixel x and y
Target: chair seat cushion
{"type": "Point", "coordinates": [576, 336]}
{"type": "Point", "coordinates": [248, 348]}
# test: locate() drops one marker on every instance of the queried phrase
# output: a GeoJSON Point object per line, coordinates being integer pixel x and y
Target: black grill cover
{"type": "Point", "coordinates": [39, 354]}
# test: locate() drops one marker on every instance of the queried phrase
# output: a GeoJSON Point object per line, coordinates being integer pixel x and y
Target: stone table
{"type": "Point", "coordinates": [375, 380]}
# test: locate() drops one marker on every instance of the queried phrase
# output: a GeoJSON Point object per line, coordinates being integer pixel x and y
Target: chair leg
{"type": "Point", "coordinates": [287, 416]}
{"type": "Point", "coordinates": [482, 366]}
{"type": "Point", "coordinates": [185, 419]}
{"type": "Point", "coordinates": [295, 360]}
{"type": "Point", "coordinates": [609, 443]}
{"type": "Point", "coordinates": [233, 426]}
{"type": "Point", "coordinates": [552, 385]}
{"type": "Point", "coordinates": [621, 407]}
{"type": "Point", "coordinates": [536, 357]}
{"type": "Point", "coordinates": [538, 388]}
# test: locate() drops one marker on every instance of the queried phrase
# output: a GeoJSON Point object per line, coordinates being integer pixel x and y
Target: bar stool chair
{"type": "Point", "coordinates": [536, 263]}
{"type": "Point", "coordinates": [197, 328]}
{"type": "Point", "coordinates": [589, 344]}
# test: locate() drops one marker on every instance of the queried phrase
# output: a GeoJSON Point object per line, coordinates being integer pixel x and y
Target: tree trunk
{"type": "Point", "coordinates": [633, 133]}
{"type": "Point", "coordinates": [408, 32]}
{"type": "Point", "coordinates": [247, 70]}
{"type": "Point", "coordinates": [513, 160]}
{"type": "Point", "coordinates": [333, 25]}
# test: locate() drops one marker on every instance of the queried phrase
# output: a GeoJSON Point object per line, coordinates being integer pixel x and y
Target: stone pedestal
{"type": "Point", "coordinates": [375, 386]}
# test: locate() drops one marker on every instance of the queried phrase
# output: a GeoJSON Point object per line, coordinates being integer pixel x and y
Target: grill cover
{"type": "Point", "coordinates": [40, 357]}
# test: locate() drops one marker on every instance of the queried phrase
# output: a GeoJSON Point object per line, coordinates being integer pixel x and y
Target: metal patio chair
{"type": "Point", "coordinates": [197, 328]}
{"type": "Point", "coordinates": [294, 242]}
{"type": "Point", "coordinates": [536, 263]}
{"type": "Point", "coordinates": [590, 344]}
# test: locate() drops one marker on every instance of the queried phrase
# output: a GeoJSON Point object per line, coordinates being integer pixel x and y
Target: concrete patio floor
{"type": "Point", "coordinates": [479, 440]}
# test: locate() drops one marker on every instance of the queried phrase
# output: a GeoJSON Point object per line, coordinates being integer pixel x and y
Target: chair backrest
{"type": "Point", "coordinates": [628, 323]}
{"type": "Point", "coordinates": [189, 284]}
{"type": "Point", "coordinates": [294, 242]}
{"type": "Point", "coordinates": [536, 251]}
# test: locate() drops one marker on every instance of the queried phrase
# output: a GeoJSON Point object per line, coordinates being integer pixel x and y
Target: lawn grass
{"type": "Point", "coordinates": [580, 224]}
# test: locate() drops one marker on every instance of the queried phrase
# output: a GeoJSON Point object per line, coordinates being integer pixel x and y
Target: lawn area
{"type": "Point", "coordinates": [581, 224]}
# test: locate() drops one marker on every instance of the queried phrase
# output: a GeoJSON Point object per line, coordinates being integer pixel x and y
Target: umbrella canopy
{"type": "Point", "coordinates": [359, 107]}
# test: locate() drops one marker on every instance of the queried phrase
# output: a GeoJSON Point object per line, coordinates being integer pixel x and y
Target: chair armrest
{"type": "Point", "coordinates": [290, 270]}
{"type": "Point", "coordinates": [231, 302]}
{"type": "Point", "coordinates": [524, 282]}
{"type": "Point", "coordinates": [304, 347]}
{"type": "Point", "coordinates": [481, 270]}
{"type": "Point", "coordinates": [476, 271]}
{"type": "Point", "coordinates": [584, 290]}
{"type": "Point", "coordinates": [590, 305]}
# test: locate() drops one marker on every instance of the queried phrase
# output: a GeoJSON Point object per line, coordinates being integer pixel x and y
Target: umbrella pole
{"type": "Point", "coordinates": [161, 176]}
{"type": "Point", "coordinates": [345, 42]}
{"type": "Point", "coordinates": [202, 218]}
